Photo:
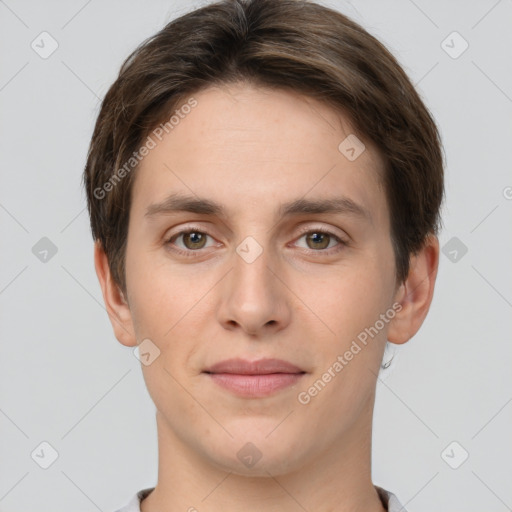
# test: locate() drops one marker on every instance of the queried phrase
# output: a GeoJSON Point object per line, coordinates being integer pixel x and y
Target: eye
{"type": "Point", "coordinates": [190, 240]}
{"type": "Point", "coordinates": [320, 240]}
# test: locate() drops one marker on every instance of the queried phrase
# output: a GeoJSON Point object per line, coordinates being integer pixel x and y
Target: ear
{"type": "Point", "coordinates": [416, 292]}
{"type": "Point", "coordinates": [116, 305]}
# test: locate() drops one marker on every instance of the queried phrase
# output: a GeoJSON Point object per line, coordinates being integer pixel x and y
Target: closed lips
{"type": "Point", "coordinates": [260, 367]}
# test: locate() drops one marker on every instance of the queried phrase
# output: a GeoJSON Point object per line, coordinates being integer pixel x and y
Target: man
{"type": "Point", "coordinates": [264, 186]}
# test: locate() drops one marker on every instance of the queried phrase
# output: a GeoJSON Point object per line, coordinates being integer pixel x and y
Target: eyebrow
{"type": "Point", "coordinates": [178, 202]}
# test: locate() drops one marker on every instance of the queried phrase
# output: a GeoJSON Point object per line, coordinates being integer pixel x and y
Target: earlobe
{"type": "Point", "coordinates": [416, 292]}
{"type": "Point", "coordinates": [115, 303]}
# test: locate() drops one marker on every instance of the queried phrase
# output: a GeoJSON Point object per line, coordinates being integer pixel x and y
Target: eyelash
{"type": "Point", "coordinates": [190, 253]}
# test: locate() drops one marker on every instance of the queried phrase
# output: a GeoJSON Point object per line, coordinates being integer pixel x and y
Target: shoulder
{"type": "Point", "coordinates": [387, 497]}
{"type": "Point", "coordinates": [134, 504]}
{"type": "Point", "coordinates": [390, 500]}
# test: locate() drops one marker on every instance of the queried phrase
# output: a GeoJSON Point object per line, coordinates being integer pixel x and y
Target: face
{"type": "Point", "coordinates": [252, 237]}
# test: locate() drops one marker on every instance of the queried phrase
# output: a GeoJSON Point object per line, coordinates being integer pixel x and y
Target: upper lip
{"type": "Point", "coordinates": [259, 367]}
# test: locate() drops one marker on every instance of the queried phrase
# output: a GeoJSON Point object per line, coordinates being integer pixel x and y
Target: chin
{"type": "Point", "coordinates": [265, 467]}
{"type": "Point", "coordinates": [254, 454]}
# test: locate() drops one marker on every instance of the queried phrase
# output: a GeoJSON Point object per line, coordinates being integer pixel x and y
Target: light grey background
{"type": "Point", "coordinates": [67, 381]}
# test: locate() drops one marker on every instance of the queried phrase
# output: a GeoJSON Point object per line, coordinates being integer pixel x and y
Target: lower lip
{"type": "Point", "coordinates": [255, 385]}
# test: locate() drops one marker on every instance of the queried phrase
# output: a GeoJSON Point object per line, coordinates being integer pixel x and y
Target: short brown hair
{"type": "Point", "coordinates": [294, 45]}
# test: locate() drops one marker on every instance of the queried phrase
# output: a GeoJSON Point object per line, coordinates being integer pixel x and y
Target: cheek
{"type": "Point", "coordinates": [159, 298]}
{"type": "Point", "coordinates": [348, 300]}
{"type": "Point", "coordinates": [341, 388]}
{"type": "Point", "coordinates": [169, 311]}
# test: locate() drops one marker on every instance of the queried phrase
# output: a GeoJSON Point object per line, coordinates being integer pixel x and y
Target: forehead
{"type": "Point", "coordinates": [241, 142]}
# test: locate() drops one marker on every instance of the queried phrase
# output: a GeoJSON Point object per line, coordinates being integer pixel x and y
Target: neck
{"type": "Point", "coordinates": [337, 480]}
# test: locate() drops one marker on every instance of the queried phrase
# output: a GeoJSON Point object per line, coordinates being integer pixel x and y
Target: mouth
{"type": "Point", "coordinates": [254, 378]}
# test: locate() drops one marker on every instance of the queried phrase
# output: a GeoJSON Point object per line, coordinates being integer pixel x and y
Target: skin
{"type": "Point", "coordinates": [302, 300]}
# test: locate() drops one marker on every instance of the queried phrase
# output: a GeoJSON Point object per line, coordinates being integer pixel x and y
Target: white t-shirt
{"type": "Point", "coordinates": [389, 500]}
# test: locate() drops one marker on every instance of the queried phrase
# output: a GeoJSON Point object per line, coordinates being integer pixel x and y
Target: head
{"type": "Point", "coordinates": [264, 181]}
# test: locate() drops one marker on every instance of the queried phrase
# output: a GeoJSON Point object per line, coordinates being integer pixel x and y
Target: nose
{"type": "Point", "coordinates": [254, 299]}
